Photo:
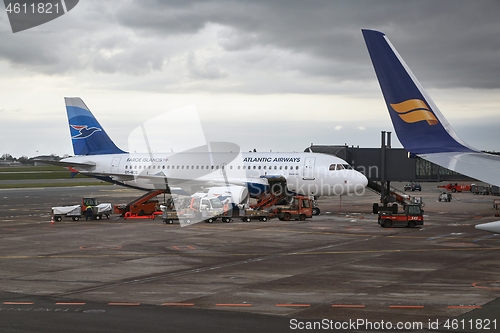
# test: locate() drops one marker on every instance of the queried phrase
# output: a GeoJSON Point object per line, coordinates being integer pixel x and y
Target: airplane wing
{"type": "Point", "coordinates": [420, 126]}
{"type": "Point", "coordinates": [478, 165]}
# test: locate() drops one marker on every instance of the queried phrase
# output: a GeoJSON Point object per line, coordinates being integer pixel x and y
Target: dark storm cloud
{"type": "Point", "coordinates": [447, 43]}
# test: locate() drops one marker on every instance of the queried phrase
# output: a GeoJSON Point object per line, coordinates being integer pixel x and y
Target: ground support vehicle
{"type": "Point", "coordinates": [76, 212]}
{"type": "Point", "coordinates": [299, 209]}
{"type": "Point", "coordinates": [206, 207]}
{"type": "Point", "coordinates": [170, 215]}
{"type": "Point", "coordinates": [445, 196]}
{"type": "Point", "coordinates": [411, 217]}
{"type": "Point", "coordinates": [480, 189]}
{"type": "Point", "coordinates": [249, 214]}
{"type": "Point", "coordinates": [494, 190]}
{"type": "Point", "coordinates": [142, 207]}
{"type": "Point", "coordinates": [198, 207]}
{"type": "Point", "coordinates": [412, 186]}
{"type": "Point", "coordinates": [456, 187]}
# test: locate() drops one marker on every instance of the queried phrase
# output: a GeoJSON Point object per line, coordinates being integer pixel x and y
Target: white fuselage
{"type": "Point", "coordinates": [305, 173]}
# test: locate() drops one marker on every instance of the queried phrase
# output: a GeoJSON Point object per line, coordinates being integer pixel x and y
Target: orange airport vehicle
{"type": "Point", "coordinates": [300, 209]}
{"type": "Point", "coordinates": [143, 207]}
{"type": "Point", "coordinates": [456, 187]}
{"type": "Point", "coordinates": [411, 217]}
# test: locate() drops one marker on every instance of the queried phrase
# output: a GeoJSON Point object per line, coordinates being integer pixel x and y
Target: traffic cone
{"type": "Point", "coordinates": [52, 220]}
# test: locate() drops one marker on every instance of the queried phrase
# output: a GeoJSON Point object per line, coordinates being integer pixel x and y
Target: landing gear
{"type": "Point", "coordinates": [315, 208]}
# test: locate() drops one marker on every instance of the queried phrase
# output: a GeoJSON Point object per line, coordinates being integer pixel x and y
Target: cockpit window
{"type": "Point", "coordinates": [340, 167]}
{"type": "Point", "coordinates": [336, 167]}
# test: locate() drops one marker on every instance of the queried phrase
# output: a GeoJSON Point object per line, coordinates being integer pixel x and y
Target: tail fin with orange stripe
{"type": "Point", "coordinates": [419, 125]}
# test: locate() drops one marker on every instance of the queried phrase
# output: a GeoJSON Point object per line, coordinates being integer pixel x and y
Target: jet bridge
{"type": "Point", "coordinates": [386, 164]}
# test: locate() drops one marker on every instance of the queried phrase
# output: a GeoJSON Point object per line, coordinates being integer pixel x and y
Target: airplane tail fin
{"type": "Point", "coordinates": [419, 124]}
{"type": "Point", "coordinates": [87, 135]}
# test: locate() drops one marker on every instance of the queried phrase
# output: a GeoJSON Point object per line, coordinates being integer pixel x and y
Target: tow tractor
{"type": "Point", "coordinates": [411, 217]}
{"type": "Point", "coordinates": [299, 209]}
{"type": "Point", "coordinates": [77, 211]}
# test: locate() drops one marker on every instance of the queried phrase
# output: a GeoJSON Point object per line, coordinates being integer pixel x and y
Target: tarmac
{"type": "Point", "coordinates": [339, 271]}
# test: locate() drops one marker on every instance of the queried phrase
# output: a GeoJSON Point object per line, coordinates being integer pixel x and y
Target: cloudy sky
{"type": "Point", "coordinates": [271, 75]}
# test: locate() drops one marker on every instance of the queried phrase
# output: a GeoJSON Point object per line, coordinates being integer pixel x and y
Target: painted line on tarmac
{"type": "Point", "coordinates": [18, 303]}
{"type": "Point", "coordinates": [247, 305]}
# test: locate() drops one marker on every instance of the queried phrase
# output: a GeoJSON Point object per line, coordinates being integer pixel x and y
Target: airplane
{"type": "Point", "coordinates": [217, 164]}
{"type": "Point", "coordinates": [420, 126]}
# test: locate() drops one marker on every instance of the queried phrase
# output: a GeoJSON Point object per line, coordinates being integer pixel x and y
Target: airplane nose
{"type": "Point", "coordinates": [363, 180]}
{"type": "Point", "coordinates": [358, 183]}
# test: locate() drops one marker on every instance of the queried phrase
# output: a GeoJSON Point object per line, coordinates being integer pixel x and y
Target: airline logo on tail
{"type": "Point", "coordinates": [83, 131]}
{"type": "Point", "coordinates": [414, 110]}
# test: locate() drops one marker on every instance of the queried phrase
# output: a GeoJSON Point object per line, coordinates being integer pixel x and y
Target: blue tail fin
{"type": "Point", "coordinates": [87, 135]}
{"type": "Point", "coordinates": [419, 124]}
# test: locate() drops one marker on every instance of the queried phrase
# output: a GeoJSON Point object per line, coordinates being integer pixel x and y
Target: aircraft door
{"type": "Point", "coordinates": [308, 172]}
{"type": "Point", "coordinates": [115, 163]}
